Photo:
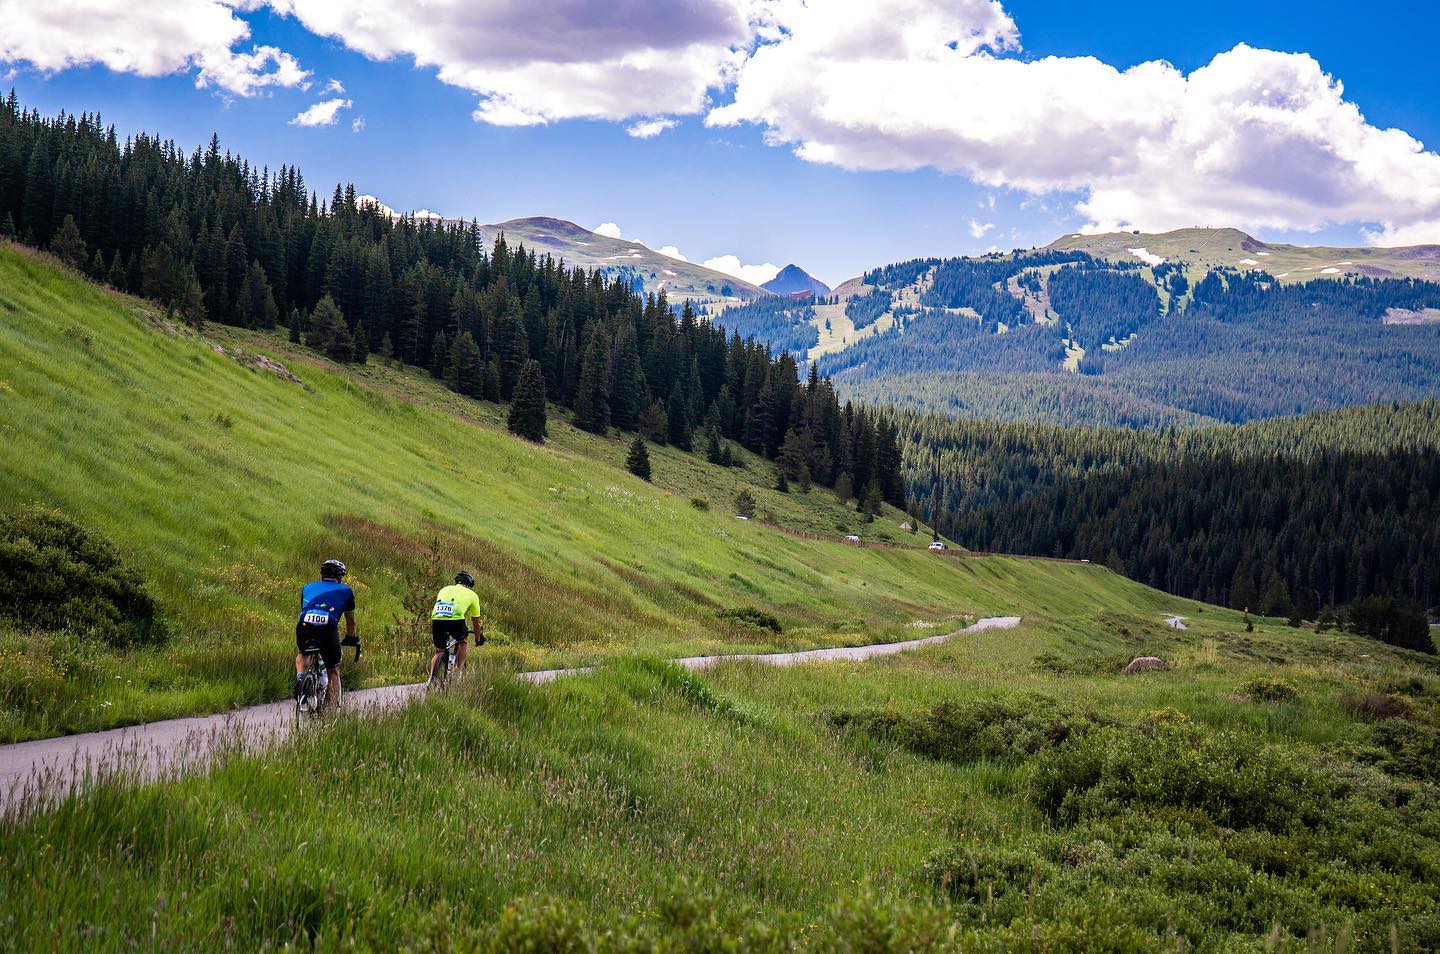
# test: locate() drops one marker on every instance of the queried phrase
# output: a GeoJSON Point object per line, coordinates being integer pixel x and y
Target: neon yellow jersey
{"type": "Point", "coordinates": [456, 602]}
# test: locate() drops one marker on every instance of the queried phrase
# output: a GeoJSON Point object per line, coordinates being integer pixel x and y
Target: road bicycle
{"type": "Point", "coordinates": [313, 695]}
{"type": "Point", "coordinates": [442, 667]}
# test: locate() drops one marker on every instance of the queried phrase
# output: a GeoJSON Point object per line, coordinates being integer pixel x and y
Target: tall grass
{"type": "Point", "coordinates": [649, 808]}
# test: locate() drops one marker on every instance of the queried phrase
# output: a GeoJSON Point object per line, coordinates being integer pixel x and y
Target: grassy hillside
{"type": "Point", "coordinates": [226, 484]}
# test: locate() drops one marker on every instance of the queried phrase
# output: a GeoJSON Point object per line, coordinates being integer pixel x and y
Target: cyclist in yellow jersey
{"type": "Point", "coordinates": [454, 605]}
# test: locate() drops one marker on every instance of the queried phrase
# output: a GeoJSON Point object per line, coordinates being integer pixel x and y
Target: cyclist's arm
{"type": "Point", "coordinates": [349, 622]}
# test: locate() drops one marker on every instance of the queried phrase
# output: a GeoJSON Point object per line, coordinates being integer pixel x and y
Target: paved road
{"type": "Point", "coordinates": [177, 745]}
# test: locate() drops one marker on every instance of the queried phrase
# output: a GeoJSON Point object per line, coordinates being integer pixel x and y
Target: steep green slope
{"type": "Point", "coordinates": [226, 483]}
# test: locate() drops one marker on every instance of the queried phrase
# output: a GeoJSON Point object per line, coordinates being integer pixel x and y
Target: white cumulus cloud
{"type": "Point", "coordinates": [731, 265]}
{"type": "Point", "coordinates": [607, 229]}
{"type": "Point", "coordinates": [592, 59]}
{"type": "Point", "coordinates": [650, 128]}
{"type": "Point", "coordinates": [147, 39]}
{"type": "Point", "coordinates": [671, 251]}
{"type": "Point", "coordinates": [334, 86]}
{"type": "Point", "coordinates": [980, 229]}
{"type": "Point", "coordinates": [357, 124]}
{"type": "Point", "coordinates": [1256, 138]}
{"type": "Point", "coordinates": [323, 113]}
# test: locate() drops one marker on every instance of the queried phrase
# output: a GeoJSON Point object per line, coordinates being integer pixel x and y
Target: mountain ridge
{"type": "Point", "coordinates": [794, 280]}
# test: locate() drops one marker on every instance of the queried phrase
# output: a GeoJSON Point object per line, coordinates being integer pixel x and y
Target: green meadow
{"type": "Point", "coordinates": [226, 484]}
{"type": "Point", "coordinates": [1005, 791]}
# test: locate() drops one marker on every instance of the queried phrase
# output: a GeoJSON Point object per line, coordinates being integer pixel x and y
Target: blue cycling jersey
{"type": "Point", "coordinates": [322, 602]}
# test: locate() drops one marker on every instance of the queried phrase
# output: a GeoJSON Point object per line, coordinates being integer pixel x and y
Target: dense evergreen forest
{"type": "Point", "coordinates": [211, 237]}
{"type": "Point", "coordinates": [781, 321]}
{"type": "Point", "coordinates": [1234, 347]}
{"type": "Point", "coordinates": [1297, 513]}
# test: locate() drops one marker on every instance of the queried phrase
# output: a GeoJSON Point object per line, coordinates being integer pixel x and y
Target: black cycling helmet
{"type": "Point", "coordinates": [332, 570]}
{"type": "Point", "coordinates": [465, 579]}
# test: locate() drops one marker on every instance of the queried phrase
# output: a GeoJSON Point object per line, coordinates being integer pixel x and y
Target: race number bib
{"type": "Point", "coordinates": [444, 609]}
{"type": "Point", "coordinates": [316, 618]}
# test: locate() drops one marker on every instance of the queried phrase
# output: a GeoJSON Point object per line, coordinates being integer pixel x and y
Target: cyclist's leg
{"type": "Point", "coordinates": [302, 645]}
{"type": "Point", "coordinates": [439, 630]}
{"type": "Point", "coordinates": [462, 649]}
{"type": "Point", "coordinates": [329, 641]}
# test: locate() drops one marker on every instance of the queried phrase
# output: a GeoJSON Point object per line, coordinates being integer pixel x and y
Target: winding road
{"type": "Point", "coordinates": [154, 749]}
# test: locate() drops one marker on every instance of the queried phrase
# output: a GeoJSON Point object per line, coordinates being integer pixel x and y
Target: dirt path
{"type": "Point", "coordinates": [178, 745]}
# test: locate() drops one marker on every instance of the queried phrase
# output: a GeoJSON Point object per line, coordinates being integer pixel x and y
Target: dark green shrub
{"type": "Point", "coordinates": [1375, 705]}
{"type": "Point", "coordinates": [1093, 664]}
{"type": "Point", "coordinates": [1232, 779]}
{"type": "Point", "coordinates": [1000, 728]}
{"type": "Point", "coordinates": [1270, 689]}
{"type": "Point", "coordinates": [1411, 748]}
{"type": "Point", "coordinates": [750, 616]}
{"type": "Point", "coordinates": [56, 575]}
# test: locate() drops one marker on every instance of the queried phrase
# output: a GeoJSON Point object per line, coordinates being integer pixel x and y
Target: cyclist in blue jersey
{"type": "Point", "coordinates": [322, 603]}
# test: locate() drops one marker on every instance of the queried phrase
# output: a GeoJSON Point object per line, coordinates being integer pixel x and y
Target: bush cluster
{"type": "Point", "coordinates": [1229, 778]}
{"type": "Point", "coordinates": [751, 616]}
{"type": "Point", "coordinates": [56, 575]}
{"type": "Point", "coordinates": [998, 728]}
{"type": "Point", "coordinates": [1270, 688]}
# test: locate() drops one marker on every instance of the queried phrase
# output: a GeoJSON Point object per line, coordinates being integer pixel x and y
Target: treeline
{"type": "Point", "coordinates": [217, 239]}
{"type": "Point", "coordinates": [1292, 515]}
{"type": "Point", "coordinates": [782, 322]}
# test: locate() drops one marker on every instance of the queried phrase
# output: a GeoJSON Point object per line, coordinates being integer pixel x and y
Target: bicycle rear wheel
{"type": "Point", "coordinates": [439, 671]}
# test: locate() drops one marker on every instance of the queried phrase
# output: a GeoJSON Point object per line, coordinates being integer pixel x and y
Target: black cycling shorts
{"type": "Point", "coordinates": [442, 630]}
{"type": "Point", "coordinates": [322, 639]}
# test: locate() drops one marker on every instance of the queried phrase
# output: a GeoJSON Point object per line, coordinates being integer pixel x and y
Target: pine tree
{"type": "Point", "coordinates": [491, 389]}
{"type": "Point", "coordinates": [638, 460]}
{"type": "Point", "coordinates": [67, 245]}
{"type": "Point", "coordinates": [592, 402]}
{"type": "Point", "coordinates": [157, 273]}
{"type": "Point", "coordinates": [782, 483]}
{"type": "Point", "coordinates": [677, 413]}
{"type": "Point", "coordinates": [745, 503]}
{"type": "Point", "coordinates": [874, 496]}
{"type": "Point", "coordinates": [7, 229]}
{"type": "Point", "coordinates": [440, 363]}
{"type": "Point", "coordinates": [714, 453]}
{"type": "Point", "coordinates": [328, 332]}
{"type": "Point", "coordinates": [362, 344]}
{"type": "Point", "coordinates": [116, 277]}
{"type": "Point", "coordinates": [258, 301]}
{"type": "Point", "coordinates": [387, 350]}
{"type": "Point", "coordinates": [655, 424]}
{"type": "Point", "coordinates": [527, 409]}
{"type": "Point", "coordinates": [628, 400]}
{"type": "Point", "coordinates": [97, 269]}
{"type": "Point", "coordinates": [843, 489]}
{"type": "Point", "coordinates": [190, 301]}
{"type": "Point", "coordinates": [1277, 599]}
{"type": "Point", "coordinates": [466, 373]}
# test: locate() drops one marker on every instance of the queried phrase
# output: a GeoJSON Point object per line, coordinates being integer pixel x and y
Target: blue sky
{"type": "Point", "coordinates": [723, 189]}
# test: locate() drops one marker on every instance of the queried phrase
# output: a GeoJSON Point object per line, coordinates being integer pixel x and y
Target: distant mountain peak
{"type": "Point", "coordinates": [794, 280]}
